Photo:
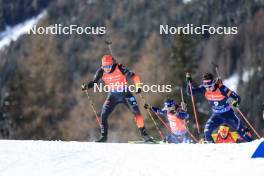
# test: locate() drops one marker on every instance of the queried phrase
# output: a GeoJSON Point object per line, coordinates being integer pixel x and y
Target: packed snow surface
{"type": "Point", "coordinates": [56, 158]}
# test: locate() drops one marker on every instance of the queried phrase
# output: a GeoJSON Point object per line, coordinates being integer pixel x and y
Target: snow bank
{"type": "Point", "coordinates": [57, 158]}
{"type": "Point", "coordinates": [233, 81]}
{"type": "Point", "coordinates": [13, 33]}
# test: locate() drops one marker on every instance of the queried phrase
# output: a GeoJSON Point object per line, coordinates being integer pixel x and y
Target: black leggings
{"type": "Point", "coordinates": [111, 101]}
{"type": "Point", "coordinates": [228, 118]}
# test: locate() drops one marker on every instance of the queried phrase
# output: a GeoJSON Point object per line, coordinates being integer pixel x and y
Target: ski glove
{"type": "Point", "coordinates": [138, 90]}
{"type": "Point", "coordinates": [147, 106]}
{"type": "Point", "coordinates": [235, 104]}
{"type": "Point", "coordinates": [188, 77]}
{"type": "Point", "coordinates": [87, 86]}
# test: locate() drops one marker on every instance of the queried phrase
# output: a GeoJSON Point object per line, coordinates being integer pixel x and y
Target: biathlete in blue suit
{"type": "Point", "coordinates": [176, 117]}
{"type": "Point", "coordinates": [217, 95]}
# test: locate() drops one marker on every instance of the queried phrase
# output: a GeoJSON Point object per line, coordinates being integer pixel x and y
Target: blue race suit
{"type": "Point", "coordinates": [177, 120]}
{"type": "Point", "coordinates": [222, 113]}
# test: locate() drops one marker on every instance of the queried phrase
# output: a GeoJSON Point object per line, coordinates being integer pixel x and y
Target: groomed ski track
{"type": "Point", "coordinates": [57, 158]}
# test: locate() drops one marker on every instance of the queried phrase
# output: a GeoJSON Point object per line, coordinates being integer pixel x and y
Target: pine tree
{"type": "Point", "coordinates": [183, 59]}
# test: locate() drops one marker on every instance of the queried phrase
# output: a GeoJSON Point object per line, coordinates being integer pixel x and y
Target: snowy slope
{"type": "Point", "coordinates": [55, 158]}
{"type": "Point", "coordinates": [13, 33]}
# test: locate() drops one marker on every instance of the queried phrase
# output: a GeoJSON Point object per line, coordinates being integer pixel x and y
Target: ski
{"type": "Point", "coordinates": [146, 142]}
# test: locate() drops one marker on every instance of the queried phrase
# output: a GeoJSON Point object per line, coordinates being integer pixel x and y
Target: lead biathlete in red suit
{"type": "Point", "coordinates": [115, 76]}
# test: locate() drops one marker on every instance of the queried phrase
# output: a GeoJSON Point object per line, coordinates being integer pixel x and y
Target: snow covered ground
{"type": "Point", "coordinates": [56, 158]}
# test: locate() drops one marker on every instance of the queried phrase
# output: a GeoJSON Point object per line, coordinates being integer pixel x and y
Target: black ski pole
{"type": "Point", "coordinates": [217, 71]}
{"type": "Point", "coordinates": [109, 43]}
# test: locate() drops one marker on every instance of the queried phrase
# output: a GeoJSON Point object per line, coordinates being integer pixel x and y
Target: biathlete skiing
{"type": "Point", "coordinates": [115, 76]}
{"type": "Point", "coordinates": [217, 95]}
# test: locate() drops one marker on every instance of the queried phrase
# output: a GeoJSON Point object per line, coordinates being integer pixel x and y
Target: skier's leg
{"type": "Point", "coordinates": [173, 139]}
{"type": "Point", "coordinates": [168, 138]}
{"type": "Point", "coordinates": [212, 123]}
{"type": "Point", "coordinates": [131, 102]}
{"type": "Point", "coordinates": [179, 138]}
{"type": "Point", "coordinates": [185, 138]}
{"type": "Point", "coordinates": [232, 120]}
{"type": "Point", "coordinates": [107, 108]}
{"type": "Point", "coordinates": [133, 106]}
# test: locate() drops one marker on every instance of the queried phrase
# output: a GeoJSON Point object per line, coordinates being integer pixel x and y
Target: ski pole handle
{"type": "Point", "coordinates": [217, 71]}
{"type": "Point", "coordinates": [109, 43]}
{"type": "Point", "coordinates": [183, 104]}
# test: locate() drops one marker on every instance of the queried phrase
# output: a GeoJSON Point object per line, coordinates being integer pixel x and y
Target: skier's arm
{"type": "Point", "coordinates": [131, 75]}
{"type": "Point", "coordinates": [192, 90]}
{"type": "Point", "coordinates": [98, 75]}
{"type": "Point", "coordinates": [230, 94]}
{"type": "Point", "coordinates": [158, 111]}
{"type": "Point", "coordinates": [195, 90]}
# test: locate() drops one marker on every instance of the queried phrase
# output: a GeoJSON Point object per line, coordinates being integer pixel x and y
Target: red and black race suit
{"type": "Point", "coordinates": [117, 79]}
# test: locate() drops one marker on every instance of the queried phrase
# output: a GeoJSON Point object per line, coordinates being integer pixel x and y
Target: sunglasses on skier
{"type": "Point", "coordinates": [107, 66]}
{"type": "Point", "coordinates": [208, 83]}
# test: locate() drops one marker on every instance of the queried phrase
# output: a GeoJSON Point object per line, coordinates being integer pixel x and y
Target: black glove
{"type": "Point", "coordinates": [84, 87]}
{"type": "Point", "coordinates": [147, 106]}
{"type": "Point", "coordinates": [188, 77]}
{"type": "Point", "coordinates": [235, 104]}
{"type": "Point", "coordinates": [87, 86]}
{"type": "Point", "coordinates": [219, 81]}
{"type": "Point", "coordinates": [138, 91]}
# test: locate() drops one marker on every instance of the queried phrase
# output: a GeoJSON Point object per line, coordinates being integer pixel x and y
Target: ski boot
{"type": "Point", "coordinates": [145, 136]}
{"type": "Point", "coordinates": [103, 138]}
